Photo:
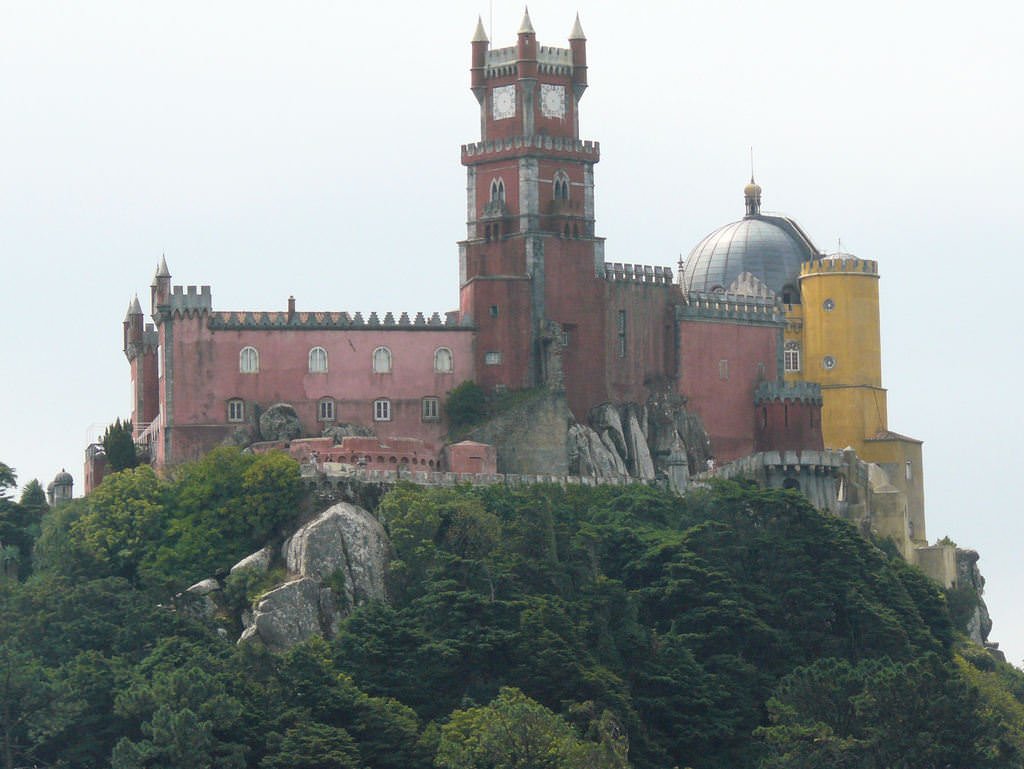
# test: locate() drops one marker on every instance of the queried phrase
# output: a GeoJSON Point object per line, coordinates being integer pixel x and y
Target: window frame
{"type": "Point", "coordinates": [248, 360]}
{"type": "Point", "coordinates": [313, 360]}
{"type": "Point", "coordinates": [382, 410]}
{"type": "Point", "coordinates": [438, 353]}
{"type": "Point", "coordinates": [430, 409]}
{"type": "Point", "coordinates": [492, 358]}
{"type": "Point", "coordinates": [236, 404]}
{"type": "Point", "coordinates": [325, 410]}
{"type": "Point", "coordinates": [385, 352]}
{"type": "Point", "coordinates": [791, 357]}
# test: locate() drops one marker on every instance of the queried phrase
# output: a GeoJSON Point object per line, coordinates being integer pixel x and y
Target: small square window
{"type": "Point", "coordinates": [236, 410]}
{"type": "Point", "coordinates": [431, 409]}
{"type": "Point", "coordinates": [325, 410]}
{"type": "Point", "coordinates": [382, 410]}
{"type": "Point", "coordinates": [494, 311]}
{"type": "Point", "coordinates": [492, 358]}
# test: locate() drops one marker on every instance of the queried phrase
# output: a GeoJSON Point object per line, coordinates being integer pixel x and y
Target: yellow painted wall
{"type": "Point", "coordinates": [841, 320]}
{"type": "Point", "coordinates": [892, 454]}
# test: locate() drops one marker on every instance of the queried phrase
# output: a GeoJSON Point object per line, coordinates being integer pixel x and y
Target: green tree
{"type": "Point", "coordinates": [306, 745]}
{"type": "Point", "coordinates": [119, 446]}
{"type": "Point", "coordinates": [466, 405]}
{"type": "Point", "coordinates": [515, 732]}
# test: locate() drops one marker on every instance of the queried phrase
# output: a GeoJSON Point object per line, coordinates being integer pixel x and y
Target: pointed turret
{"type": "Point", "coordinates": [480, 36]}
{"type": "Point", "coordinates": [577, 30]}
{"type": "Point", "coordinates": [525, 27]}
{"type": "Point", "coordinates": [477, 69]}
{"type": "Point", "coordinates": [578, 46]}
{"type": "Point", "coordinates": [161, 287]}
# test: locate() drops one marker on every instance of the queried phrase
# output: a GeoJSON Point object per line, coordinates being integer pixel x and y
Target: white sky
{"type": "Point", "coordinates": [312, 148]}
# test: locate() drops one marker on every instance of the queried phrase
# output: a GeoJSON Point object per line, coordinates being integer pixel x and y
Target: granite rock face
{"type": "Point", "coordinates": [286, 615]}
{"type": "Point", "coordinates": [339, 561]}
{"type": "Point", "coordinates": [590, 456]}
{"type": "Point", "coordinates": [280, 423]}
{"type": "Point", "coordinates": [969, 575]}
{"type": "Point", "coordinates": [347, 544]}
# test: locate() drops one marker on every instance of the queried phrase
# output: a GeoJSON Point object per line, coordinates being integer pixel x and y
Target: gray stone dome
{"type": "Point", "coordinates": [771, 248]}
{"type": "Point", "coordinates": [63, 478]}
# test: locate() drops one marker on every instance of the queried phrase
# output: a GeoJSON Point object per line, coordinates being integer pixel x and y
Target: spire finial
{"type": "Point", "coordinates": [752, 197]}
{"type": "Point", "coordinates": [480, 36]}
{"type": "Point", "coordinates": [577, 30]}
{"type": "Point", "coordinates": [525, 27]}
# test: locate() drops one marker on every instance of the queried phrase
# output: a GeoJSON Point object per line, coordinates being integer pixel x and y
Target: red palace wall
{"type": "Point", "coordinates": [720, 367]}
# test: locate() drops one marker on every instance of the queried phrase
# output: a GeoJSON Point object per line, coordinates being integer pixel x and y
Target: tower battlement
{"type": "Point", "coordinates": [190, 299]}
{"type": "Point", "coordinates": [795, 392]}
{"type": "Point", "coordinates": [334, 320]}
{"type": "Point", "coordinates": [638, 273]}
{"type": "Point", "coordinates": [845, 263]}
{"type": "Point", "coordinates": [516, 144]}
{"type": "Point", "coordinates": [734, 307]}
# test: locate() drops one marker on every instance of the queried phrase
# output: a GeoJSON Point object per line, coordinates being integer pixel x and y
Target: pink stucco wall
{"type": "Point", "coordinates": [723, 396]}
{"type": "Point", "coordinates": [205, 376]}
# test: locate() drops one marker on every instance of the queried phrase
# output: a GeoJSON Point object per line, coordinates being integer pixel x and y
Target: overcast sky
{"type": "Point", "coordinates": [312, 148]}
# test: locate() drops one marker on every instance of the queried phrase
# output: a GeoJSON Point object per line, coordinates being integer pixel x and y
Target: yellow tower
{"type": "Point", "coordinates": [841, 344]}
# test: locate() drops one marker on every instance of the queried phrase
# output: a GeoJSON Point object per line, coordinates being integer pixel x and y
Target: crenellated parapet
{"type": "Point", "coordinates": [147, 345]}
{"type": "Point", "coordinates": [839, 263]}
{"type": "Point", "coordinates": [336, 320]}
{"type": "Point", "coordinates": [794, 392]}
{"type": "Point", "coordinates": [729, 307]}
{"type": "Point", "coordinates": [637, 273]}
{"type": "Point", "coordinates": [188, 301]}
{"type": "Point", "coordinates": [516, 145]}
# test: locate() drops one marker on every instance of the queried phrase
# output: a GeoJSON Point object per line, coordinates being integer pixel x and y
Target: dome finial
{"type": "Point", "coordinates": [752, 197]}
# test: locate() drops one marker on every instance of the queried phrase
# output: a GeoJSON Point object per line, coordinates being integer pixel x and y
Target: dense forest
{"type": "Point", "coordinates": [537, 628]}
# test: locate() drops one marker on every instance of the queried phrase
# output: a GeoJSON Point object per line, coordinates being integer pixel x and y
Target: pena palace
{"type": "Point", "coordinates": [760, 344]}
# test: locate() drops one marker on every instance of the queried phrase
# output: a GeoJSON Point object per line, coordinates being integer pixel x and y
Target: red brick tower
{"type": "Point", "coordinates": [531, 269]}
{"type": "Point", "coordinates": [140, 347]}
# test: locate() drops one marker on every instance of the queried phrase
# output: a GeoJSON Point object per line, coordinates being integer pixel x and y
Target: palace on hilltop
{"type": "Point", "coordinates": [760, 354]}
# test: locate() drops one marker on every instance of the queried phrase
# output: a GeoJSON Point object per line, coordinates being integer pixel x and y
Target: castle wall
{"type": "Point", "coordinates": [720, 366]}
{"type": "Point", "coordinates": [205, 375]}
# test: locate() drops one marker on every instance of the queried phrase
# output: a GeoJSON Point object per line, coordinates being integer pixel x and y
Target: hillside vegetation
{"type": "Point", "coordinates": [531, 629]}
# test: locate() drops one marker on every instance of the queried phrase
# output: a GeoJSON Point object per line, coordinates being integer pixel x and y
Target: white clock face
{"type": "Point", "coordinates": [552, 100]}
{"type": "Point", "coordinates": [503, 102]}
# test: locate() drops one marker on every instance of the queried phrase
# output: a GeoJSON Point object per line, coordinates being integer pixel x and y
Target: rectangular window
{"type": "Point", "coordinates": [494, 311]}
{"type": "Point", "coordinates": [565, 337]}
{"type": "Point", "coordinates": [382, 410]}
{"type": "Point", "coordinates": [492, 358]}
{"type": "Point", "coordinates": [909, 470]}
{"type": "Point", "coordinates": [431, 409]}
{"type": "Point", "coordinates": [620, 322]}
{"type": "Point", "coordinates": [723, 369]}
{"type": "Point", "coordinates": [325, 412]}
{"type": "Point", "coordinates": [791, 357]}
{"type": "Point", "coordinates": [236, 410]}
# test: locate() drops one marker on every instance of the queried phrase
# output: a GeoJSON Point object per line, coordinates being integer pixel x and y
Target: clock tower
{"type": "Point", "coordinates": [531, 269]}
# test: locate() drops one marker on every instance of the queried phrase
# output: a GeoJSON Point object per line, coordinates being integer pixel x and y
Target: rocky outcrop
{"type": "Point", "coordinates": [339, 560]}
{"type": "Point", "coordinates": [287, 615]}
{"type": "Point", "coordinates": [344, 544]}
{"type": "Point", "coordinates": [259, 561]}
{"type": "Point", "coordinates": [280, 423]}
{"type": "Point", "coordinates": [347, 430]}
{"type": "Point", "coordinates": [201, 601]}
{"type": "Point", "coordinates": [590, 456]}
{"type": "Point", "coordinates": [606, 422]}
{"type": "Point", "coordinates": [968, 575]}
{"type": "Point", "coordinates": [638, 456]}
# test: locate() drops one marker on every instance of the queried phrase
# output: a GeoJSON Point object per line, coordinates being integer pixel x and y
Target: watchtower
{"type": "Point", "coordinates": [530, 257]}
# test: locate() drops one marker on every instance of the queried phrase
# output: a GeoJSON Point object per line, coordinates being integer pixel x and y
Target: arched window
{"type": "Point", "coordinates": [497, 190]}
{"type": "Point", "coordinates": [249, 360]}
{"type": "Point", "coordinates": [382, 361]}
{"type": "Point", "coordinates": [561, 185]}
{"type": "Point", "coordinates": [791, 357]}
{"type": "Point", "coordinates": [318, 361]}
{"type": "Point", "coordinates": [442, 360]}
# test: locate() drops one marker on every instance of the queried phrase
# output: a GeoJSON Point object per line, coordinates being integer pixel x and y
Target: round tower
{"type": "Point", "coordinates": [842, 346]}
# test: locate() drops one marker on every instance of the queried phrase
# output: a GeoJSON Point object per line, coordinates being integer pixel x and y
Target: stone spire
{"type": "Point", "coordinates": [480, 36]}
{"type": "Point", "coordinates": [162, 271]}
{"type": "Point", "coordinates": [525, 27]}
{"type": "Point", "coordinates": [577, 30]}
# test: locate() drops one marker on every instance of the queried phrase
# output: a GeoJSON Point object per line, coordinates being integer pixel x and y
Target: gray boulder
{"type": "Point", "coordinates": [344, 544]}
{"type": "Point", "coordinates": [280, 423]}
{"type": "Point", "coordinates": [201, 600]}
{"type": "Point", "coordinates": [605, 421]}
{"type": "Point", "coordinates": [346, 430]}
{"type": "Point", "coordinates": [258, 561]}
{"type": "Point", "coordinates": [590, 456]}
{"type": "Point", "coordinates": [286, 615]}
{"type": "Point", "coordinates": [638, 454]}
